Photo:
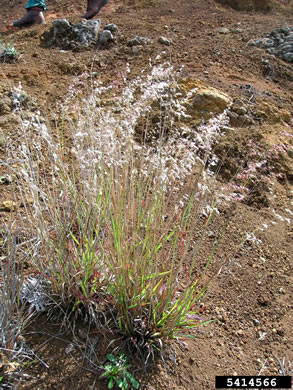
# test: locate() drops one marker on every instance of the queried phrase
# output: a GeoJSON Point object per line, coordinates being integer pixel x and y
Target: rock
{"type": "Point", "coordinates": [288, 57]}
{"type": "Point", "coordinates": [279, 43]}
{"type": "Point", "coordinates": [210, 100]}
{"type": "Point", "coordinates": [138, 41]}
{"type": "Point", "coordinates": [106, 38]}
{"type": "Point", "coordinates": [239, 107]}
{"type": "Point", "coordinates": [267, 42]}
{"type": "Point", "coordinates": [111, 27]}
{"type": "Point", "coordinates": [136, 50]}
{"type": "Point", "coordinates": [202, 101]}
{"type": "Point", "coordinates": [165, 41]}
{"type": "Point", "coordinates": [6, 179]}
{"type": "Point", "coordinates": [8, 205]}
{"type": "Point", "coordinates": [70, 36]}
{"type": "Point", "coordinates": [69, 349]}
{"type": "Point", "coordinates": [223, 30]}
{"type": "Point", "coordinates": [233, 117]}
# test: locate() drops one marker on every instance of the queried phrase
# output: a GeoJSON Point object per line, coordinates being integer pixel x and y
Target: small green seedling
{"type": "Point", "coordinates": [116, 372]}
{"type": "Point", "coordinates": [8, 53]}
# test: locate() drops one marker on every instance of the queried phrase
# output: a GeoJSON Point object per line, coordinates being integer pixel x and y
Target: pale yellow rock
{"type": "Point", "coordinates": [8, 205]}
{"type": "Point", "coordinates": [204, 101]}
{"type": "Point", "coordinates": [210, 100]}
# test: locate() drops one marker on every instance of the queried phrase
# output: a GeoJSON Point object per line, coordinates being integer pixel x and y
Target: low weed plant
{"type": "Point", "coordinates": [8, 53]}
{"type": "Point", "coordinates": [117, 374]}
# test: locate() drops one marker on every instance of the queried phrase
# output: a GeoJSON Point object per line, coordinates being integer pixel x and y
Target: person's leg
{"type": "Point", "coordinates": [36, 3]}
{"type": "Point", "coordinates": [93, 7]}
{"type": "Point", "coordinates": [34, 14]}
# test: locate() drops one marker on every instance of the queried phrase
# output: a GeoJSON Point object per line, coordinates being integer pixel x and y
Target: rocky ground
{"type": "Point", "coordinates": [239, 60]}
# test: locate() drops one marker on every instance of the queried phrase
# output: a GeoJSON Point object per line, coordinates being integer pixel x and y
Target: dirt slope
{"type": "Point", "coordinates": [252, 300]}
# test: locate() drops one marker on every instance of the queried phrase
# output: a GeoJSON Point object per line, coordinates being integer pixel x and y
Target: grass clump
{"type": "Point", "coordinates": [113, 250]}
{"type": "Point", "coordinates": [116, 242]}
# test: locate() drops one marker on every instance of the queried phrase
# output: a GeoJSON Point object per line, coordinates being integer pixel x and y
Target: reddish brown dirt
{"type": "Point", "coordinates": [252, 300]}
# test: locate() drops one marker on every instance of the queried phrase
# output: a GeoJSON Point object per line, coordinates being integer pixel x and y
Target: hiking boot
{"type": "Point", "coordinates": [93, 7]}
{"type": "Point", "coordinates": [33, 16]}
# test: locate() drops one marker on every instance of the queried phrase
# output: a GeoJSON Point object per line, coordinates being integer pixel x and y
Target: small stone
{"type": "Point", "coordinates": [138, 41]}
{"type": "Point", "coordinates": [288, 57]}
{"type": "Point", "coordinates": [69, 348]}
{"type": "Point", "coordinates": [8, 205]}
{"type": "Point", "coordinates": [165, 41]}
{"type": "Point", "coordinates": [6, 179]}
{"type": "Point", "coordinates": [111, 27]}
{"type": "Point", "coordinates": [136, 49]}
{"type": "Point", "coordinates": [266, 43]}
{"type": "Point", "coordinates": [223, 30]}
{"type": "Point", "coordinates": [262, 335]}
{"type": "Point", "coordinates": [252, 42]}
{"type": "Point", "coordinates": [255, 322]}
{"type": "Point", "coordinates": [106, 37]}
{"type": "Point", "coordinates": [240, 110]}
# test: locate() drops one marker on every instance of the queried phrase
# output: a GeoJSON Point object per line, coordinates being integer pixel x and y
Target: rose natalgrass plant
{"type": "Point", "coordinates": [113, 232]}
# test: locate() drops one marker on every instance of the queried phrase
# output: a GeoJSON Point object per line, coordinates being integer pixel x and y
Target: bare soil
{"type": "Point", "coordinates": [252, 300]}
